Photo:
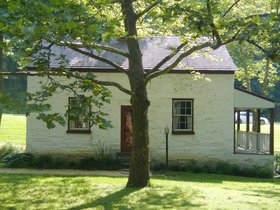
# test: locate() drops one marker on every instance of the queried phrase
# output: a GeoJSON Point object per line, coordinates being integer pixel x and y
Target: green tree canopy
{"type": "Point", "coordinates": [83, 25]}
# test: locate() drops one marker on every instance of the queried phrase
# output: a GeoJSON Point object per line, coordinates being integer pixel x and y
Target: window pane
{"type": "Point", "coordinates": [78, 121]}
{"type": "Point", "coordinates": [176, 123]}
{"type": "Point", "coordinates": [72, 124]}
{"type": "Point", "coordinates": [189, 119]}
{"type": "Point", "coordinates": [182, 115]}
{"type": "Point", "coordinates": [177, 107]}
{"type": "Point", "coordinates": [183, 111]}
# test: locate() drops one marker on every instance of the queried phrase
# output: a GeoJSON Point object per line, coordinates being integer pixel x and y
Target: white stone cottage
{"type": "Point", "coordinates": [198, 112]}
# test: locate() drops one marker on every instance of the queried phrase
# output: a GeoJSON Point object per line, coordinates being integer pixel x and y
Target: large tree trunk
{"type": "Point", "coordinates": [139, 165]}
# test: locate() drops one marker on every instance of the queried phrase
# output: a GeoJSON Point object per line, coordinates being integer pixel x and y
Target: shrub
{"type": "Point", "coordinates": [49, 162]}
{"type": "Point", "coordinates": [102, 152]}
{"type": "Point", "coordinates": [18, 160]}
{"type": "Point", "coordinates": [102, 159]}
{"type": "Point", "coordinates": [265, 172]}
{"type": "Point", "coordinates": [7, 149]}
{"type": "Point", "coordinates": [277, 163]}
{"type": "Point", "coordinates": [90, 163]}
{"type": "Point", "coordinates": [219, 167]}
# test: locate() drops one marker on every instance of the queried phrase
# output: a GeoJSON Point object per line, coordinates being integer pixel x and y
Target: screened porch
{"type": "Point", "coordinates": [254, 123]}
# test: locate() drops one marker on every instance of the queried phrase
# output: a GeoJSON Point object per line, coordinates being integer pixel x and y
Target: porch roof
{"type": "Point", "coordinates": [247, 100]}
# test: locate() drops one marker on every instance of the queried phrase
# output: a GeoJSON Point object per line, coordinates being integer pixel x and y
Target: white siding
{"type": "Point", "coordinates": [213, 121]}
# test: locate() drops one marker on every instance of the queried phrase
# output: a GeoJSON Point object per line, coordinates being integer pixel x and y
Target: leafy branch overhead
{"type": "Point", "coordinates": [88, 94]}
{"type": "Point", "coordinates": [32, 29]}
{"type": "Point", "coordinates": [87, 27]}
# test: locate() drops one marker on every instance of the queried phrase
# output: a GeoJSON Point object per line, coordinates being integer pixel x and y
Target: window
{"type": "Point", "coordinates": [182, 116]}
{"type": "Point", "coordinates": [77, 121]}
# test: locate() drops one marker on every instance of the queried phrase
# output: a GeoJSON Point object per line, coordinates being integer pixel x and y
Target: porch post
{"type": "Point", "coordinates": [247, 128]}
{"type": "Point", "coordinates": [248, 121]}
{"type": "Point", "coordinates": [272, 131]}
{"type": "Point", "coordinates": [259, 120]}
{"type": "Point", "coordinates": [258, 116]}
{"type": "Point", "coordinates": [235, 133]}
{"type": "Point", "coordinates": [238, 120]}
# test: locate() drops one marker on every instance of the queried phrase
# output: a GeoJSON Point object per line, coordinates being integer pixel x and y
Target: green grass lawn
{"type": "Point", "coordinates": [172, 191]}
{"type": "Point", "coordinates": [13, 129]}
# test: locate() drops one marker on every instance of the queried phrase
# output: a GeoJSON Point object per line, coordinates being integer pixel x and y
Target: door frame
{"type": "Point", "coordinates": [124, 148]}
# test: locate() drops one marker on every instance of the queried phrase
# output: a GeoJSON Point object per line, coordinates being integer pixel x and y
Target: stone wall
{"type": "Point", "coordinates": [213, 121]}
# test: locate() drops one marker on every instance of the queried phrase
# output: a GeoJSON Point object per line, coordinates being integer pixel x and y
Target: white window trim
{"type": "Point", "coordinates": [182, 131]}
{"type": "Point", "coordinates": [76, 129]}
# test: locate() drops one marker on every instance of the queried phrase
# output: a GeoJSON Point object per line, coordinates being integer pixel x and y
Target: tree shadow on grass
{"type": "Point", "coordinates": [108, 201]}
{"type": "Point", "coordinates": [173, 197]}
{"type": "Point", "coordinates": [143, 198]}
{"type": "Point", "coordinates": [268, 193]}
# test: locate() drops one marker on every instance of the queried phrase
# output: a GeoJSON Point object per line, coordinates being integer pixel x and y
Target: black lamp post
{"type": "Point", "coordinates": [166, 131]}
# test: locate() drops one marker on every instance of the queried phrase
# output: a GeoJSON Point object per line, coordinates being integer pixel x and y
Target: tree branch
{"type": "Point", "coordinates": [106, 83]}
{"type": "Point", "coordinates": [150, 7]}
{"type": "Point", "coordinates": [175, 52]}
{"type": "Point", "coordinates": [256, 45]}
{"type": "Point", "coordinates": [104, 60]}
{"type": "Point", "coordinates": [232, 39]}
{"type": "Point", "coordinates": [228, 10]}
{"type": "Point", "coordinates": [59, 73]}
{"type": "Point", "coordinates": [114, 84]}
{"type": "Point", "coordinates": [95, 46]}
{"type": "Point", "coordinates": [260, 15]}
{"type": "Point", "coordinates": [178, 60]}
{"type": "Point", "coordinates": [22, 73]}
{"type": "Point", "coordinates": [212, 24]}
{"type": "Point", "coordinates": [167, 58]}
{"type": "Point", "coordinates": [239, 21]}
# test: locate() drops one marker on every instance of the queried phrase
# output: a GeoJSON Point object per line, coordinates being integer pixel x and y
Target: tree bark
{"type": "Point", "coordinates": [139, 165]}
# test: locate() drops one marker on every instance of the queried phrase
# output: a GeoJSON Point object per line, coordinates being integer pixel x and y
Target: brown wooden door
{"type": "Point", "coordinates": [126, 128]}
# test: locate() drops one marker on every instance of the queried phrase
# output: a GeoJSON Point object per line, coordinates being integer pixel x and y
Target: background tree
{"type": "Point", "coordinates": [12, 89]}
{"type": "Point", "coordinates": [255, 71]}
{"type": "Point", "coordinates": [1, 70]}
{"type": "Point", "coordinates": [258, 56]}
{"type": "Point", "coordinates": [86, 25]}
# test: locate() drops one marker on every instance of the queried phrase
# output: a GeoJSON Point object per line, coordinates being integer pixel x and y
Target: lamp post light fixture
{"type": "Point", "coordinates": [166, 131]}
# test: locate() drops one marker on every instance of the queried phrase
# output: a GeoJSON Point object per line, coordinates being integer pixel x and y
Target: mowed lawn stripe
{"type": "Point", "coordinates": [13, 129]}
{"type": "Point", "coordinates": [167, 191]}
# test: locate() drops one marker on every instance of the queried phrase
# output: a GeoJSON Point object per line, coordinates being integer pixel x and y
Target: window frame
{"type": "Point", "coordinates": [76, 130]}
{"type": "Point", "coordinates": [190, 131]}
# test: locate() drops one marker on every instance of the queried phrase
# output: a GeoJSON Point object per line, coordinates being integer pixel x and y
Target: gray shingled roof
{"type": "Point", "coordinates": [154, 49]}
